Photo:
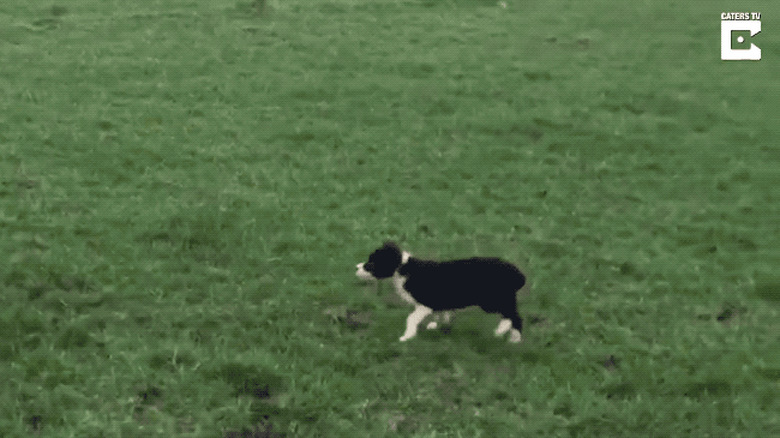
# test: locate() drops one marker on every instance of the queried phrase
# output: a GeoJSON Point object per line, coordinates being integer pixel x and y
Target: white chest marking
{"type": "Point", "coordinates": [398, 282]}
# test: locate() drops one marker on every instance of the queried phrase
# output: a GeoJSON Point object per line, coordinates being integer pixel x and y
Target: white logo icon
{"type": "Point", "coordinates": [739, 22]}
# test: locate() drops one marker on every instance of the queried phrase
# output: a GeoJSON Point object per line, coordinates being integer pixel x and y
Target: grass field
{"type": "Point", "coordinates": [185, 188]}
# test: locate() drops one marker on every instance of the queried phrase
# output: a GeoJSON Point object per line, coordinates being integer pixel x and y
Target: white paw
{"type": "Point", "coordinates": [404, 338]}
{"type": "Point", "coordinates": [515, 337]}
{"type": "Point", "coordinates": [432, 325]}
{"type": "Point", "coordinates": [503, 327]}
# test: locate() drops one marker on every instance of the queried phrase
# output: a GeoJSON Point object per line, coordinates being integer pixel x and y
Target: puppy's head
{"type": "Point", "coordinates": [382, 263]}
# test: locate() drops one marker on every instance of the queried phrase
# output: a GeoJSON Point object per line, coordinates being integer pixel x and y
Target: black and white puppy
{"type": "Point", "coordinates": [431, 286]}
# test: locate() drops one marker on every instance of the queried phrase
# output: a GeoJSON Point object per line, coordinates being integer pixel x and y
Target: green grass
{"type": "Point", "coordinates": [185, 189]}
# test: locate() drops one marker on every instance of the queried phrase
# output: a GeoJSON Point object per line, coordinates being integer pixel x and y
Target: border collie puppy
{"type": "Point", "coordinates": [431, 286]}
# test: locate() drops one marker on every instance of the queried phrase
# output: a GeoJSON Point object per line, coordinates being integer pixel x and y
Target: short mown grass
{"type": "Point", "coordinates": [186, 188]}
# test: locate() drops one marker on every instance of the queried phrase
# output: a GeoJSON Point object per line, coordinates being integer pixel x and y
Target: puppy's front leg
{"type": "Point", "coordinates": [414, 318]}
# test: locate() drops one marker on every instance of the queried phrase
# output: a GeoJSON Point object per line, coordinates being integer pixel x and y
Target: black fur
{"type": "Point", "coordinates": [489, 283]}
{"type": "Point", "coordinates": [383, 262]}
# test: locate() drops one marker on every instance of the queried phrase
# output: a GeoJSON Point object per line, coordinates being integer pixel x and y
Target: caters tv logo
{"type": "Point", "coordinates": [736, 31]}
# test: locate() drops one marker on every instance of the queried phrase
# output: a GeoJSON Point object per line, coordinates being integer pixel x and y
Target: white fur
{"type": "Point", "coordinates": [398, 282]}
{"type": "Point", "coordinates": [439, 317]}
{"type": "Point", "coordinates": [420, 312]}
{"type": "Point", "coordinates": [413, 320]}
{"type": "Point", "coordinates": [362, 273]}
{"type": "Point", "coordinates": [503, 326]}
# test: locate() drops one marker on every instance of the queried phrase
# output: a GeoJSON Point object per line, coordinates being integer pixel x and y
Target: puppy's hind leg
{"type": "Point", "coordinates": [503, 326]}
{"type": "Point", "coordinates": [515, 335]}
{"type": "Point", "coordinates": [511, 322]}
{"type": "Point", "coordinates": [413, 320]}
{"type": "Point", "coordinates": [439, 317]}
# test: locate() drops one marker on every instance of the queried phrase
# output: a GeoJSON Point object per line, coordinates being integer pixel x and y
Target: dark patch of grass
{"type": "Point", "coordinates": [619, 391]}
{"type": "Point", "coordinates": [248, 380]}
{"type": "Point", "coordinates": [149, 395]}
{"type": "Point", "coordinates": [58, 10]}
{"type": "Point", "coordinates": [73, 337]}
{"type": "Point", "coordinates": [258, 431]}
{"type": "Point", "coordinates": [713, 388]}
{"type": "Point", "coordinates": [767, 288]}
{"type": "Point", "coordinates": [611, 363]}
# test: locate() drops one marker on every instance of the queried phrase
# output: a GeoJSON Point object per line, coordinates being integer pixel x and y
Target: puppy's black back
{"type": "Point", "coordinates": [490, 283]}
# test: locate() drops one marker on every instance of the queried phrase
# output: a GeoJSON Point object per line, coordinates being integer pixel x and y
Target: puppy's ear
{"type": "Point", "coordinates": [386, 260]}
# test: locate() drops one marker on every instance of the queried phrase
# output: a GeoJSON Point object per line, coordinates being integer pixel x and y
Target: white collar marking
{"type": "Point", "coordinates": [399, 280]}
